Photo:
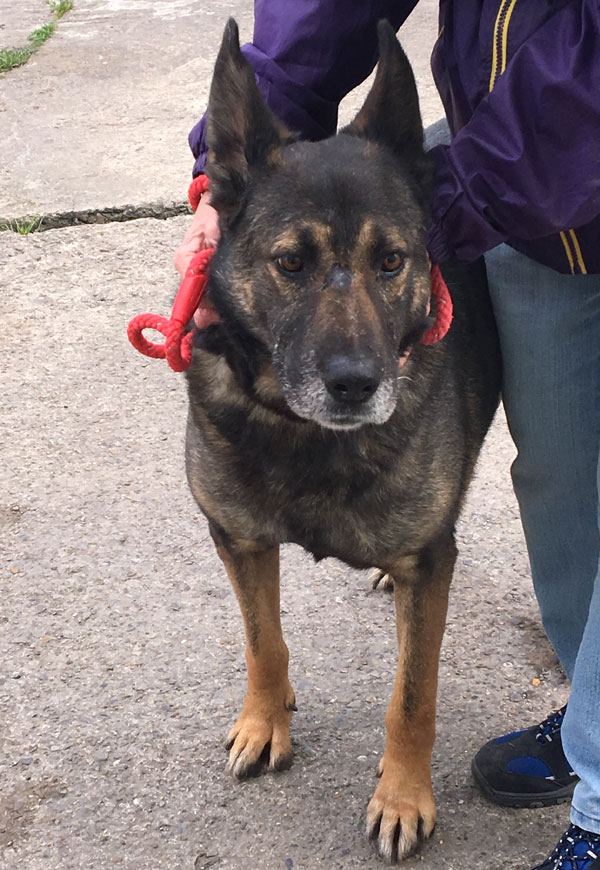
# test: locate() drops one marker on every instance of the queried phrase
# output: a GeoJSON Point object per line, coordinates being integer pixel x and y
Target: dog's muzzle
{"type": "Point", "coordinates": [350, 380]}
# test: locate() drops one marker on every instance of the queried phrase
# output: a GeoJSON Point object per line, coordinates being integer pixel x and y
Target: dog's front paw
{"type": "Point", "coordinates": [261, 736]}
{"type": "Point", "coordinates": [399, 816]}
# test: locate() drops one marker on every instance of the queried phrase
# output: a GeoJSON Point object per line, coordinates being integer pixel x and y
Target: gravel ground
{"type": "Point", "coordinates": [121, 642]}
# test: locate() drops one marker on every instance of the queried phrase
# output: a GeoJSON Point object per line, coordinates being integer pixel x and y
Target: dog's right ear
{"type": "Point", "coordinates": [241, 131]}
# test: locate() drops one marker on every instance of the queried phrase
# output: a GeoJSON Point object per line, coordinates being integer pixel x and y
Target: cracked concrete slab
{"type": "Point", "coordinates": [115, 92]}
{"type": "Point", "coordinates": [100, 114]}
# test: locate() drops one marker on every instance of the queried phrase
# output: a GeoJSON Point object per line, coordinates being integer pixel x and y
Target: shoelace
{"type": "Point", "coordinates": [575, 850]}
{"type": "Point", "coordinates": [549, 728]}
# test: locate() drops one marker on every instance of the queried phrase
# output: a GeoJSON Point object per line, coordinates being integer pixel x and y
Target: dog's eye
{"type": "Point", "coordinates": [289, 263]}
{"type": "Point", "coordinates": [393, 262]}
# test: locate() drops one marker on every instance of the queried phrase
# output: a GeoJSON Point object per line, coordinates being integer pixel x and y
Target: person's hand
{"type": "Point", "coordinates": [203, 232]}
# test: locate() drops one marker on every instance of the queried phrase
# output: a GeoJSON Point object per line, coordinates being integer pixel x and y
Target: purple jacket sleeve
{"type": "Point", "coordinates": [527, 164]}
{"type": "Point", "coordinates": [307, 56]}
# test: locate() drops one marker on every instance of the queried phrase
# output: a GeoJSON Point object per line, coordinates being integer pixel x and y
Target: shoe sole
{"type": "Point", "coordinates": [523, 801]}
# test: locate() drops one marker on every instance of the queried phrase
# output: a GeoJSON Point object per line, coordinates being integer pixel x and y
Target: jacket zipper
{"type": "Point", "coordinates": [499, 61]}
{"type": "Point", "coordinates": [500, 43]}
{"type": "Point", "coordinates": [573, 253]}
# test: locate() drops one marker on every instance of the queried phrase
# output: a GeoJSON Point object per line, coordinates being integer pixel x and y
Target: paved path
{"type": "Point", "coordinates": [119, 636]}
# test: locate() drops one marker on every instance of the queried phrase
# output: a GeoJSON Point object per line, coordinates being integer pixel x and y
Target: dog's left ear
{"type": "Point", "coordinates": [390, 115]}
{"type": "Point", "coordinates": [241, 131]}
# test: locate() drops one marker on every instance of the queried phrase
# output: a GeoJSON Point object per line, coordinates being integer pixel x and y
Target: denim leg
{"type": "Point", "coordinates": [581, 727]}
{"type": "Point", "coordinates": [549, 327]}
{"type": "Point", "coordinates": [437, 133]}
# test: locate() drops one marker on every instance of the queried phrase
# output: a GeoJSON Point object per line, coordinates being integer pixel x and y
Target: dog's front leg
{"type": "Point", "coordinates": [402, 811]}
{"type": "Point", "coordinates": [263, 725]}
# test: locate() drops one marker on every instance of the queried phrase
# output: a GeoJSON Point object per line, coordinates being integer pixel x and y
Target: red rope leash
{"type": "Point", "coordinates": [198, 186]}
{"type": "Point", "coordinates": [443, 318]}
{"type": "Point", "coordinates": [177, 349]}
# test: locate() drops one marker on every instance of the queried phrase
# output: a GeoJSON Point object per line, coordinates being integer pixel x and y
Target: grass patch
{"type": "Point", "coordinates": [38, 37]}
{"type": "Point", "coordinates": [23, 226]}
{"type": "Point", "coordinates": [59, 7]}
{"type": "Point", "coordinates": [14, 57]}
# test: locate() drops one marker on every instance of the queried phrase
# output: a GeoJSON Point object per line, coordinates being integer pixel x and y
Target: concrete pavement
{"type": "Point", "coordinates": [120, 639]}
{"type": "Point", "coordinates": [100, 116]}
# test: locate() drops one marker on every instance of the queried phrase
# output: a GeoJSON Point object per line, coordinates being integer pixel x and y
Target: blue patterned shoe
{"type": "Point", "coordinates": [526, 768]}
{"type": "Point", "coordinates": [576, 850]}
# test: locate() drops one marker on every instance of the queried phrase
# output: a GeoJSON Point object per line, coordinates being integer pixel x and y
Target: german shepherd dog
{"type": "Point", "coordinates": [316, 415]}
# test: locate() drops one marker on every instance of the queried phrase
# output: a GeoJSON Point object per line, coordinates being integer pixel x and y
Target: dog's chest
{"type": "Point", "coordinates": [353, 507]}
{"type": "Point", "coordinates": [362, 499]}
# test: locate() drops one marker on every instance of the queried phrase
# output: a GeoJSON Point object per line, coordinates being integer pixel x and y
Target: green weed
{"type": "Point", "coordinates": [59, 7]}
{"type": "Point", "coordinates": [13, 57]}
{"type": "Point", "coordinates": [38, 37]}
{"type": "Point", "coordinates": [23, 226]}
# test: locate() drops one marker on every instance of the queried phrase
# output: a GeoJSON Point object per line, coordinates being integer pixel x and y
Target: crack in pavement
{"type": "Point", "coordinates": [110, 214]}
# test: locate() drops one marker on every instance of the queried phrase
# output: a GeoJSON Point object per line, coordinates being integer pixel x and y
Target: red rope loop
{"type": "Point", "coordinates": [177, 349]}
{"type": "Point", "coordinates": [198, 186]}
{"type": "Point", "coordinates": [443, 319]}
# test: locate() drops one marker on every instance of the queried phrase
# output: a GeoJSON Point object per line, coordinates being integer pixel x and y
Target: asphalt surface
{"type": "Point", "coordinates": [120, 639]}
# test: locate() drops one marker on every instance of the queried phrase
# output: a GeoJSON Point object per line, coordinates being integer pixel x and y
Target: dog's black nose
{"type": "Point", "coordinates": [351, 379]}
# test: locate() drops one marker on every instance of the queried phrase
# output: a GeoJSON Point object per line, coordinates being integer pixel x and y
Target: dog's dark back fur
{"type": "Point", "coordinates": [270, 456]}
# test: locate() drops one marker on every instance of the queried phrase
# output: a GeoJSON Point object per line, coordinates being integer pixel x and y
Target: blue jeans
{"type": "Point", "coordinates": [549, 326]}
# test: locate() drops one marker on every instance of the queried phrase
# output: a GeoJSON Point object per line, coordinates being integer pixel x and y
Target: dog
{"type": "Point", "coordinates": [317, 417]}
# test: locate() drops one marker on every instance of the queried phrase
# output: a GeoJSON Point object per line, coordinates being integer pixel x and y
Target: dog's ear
{"type": "Point", "coordinates": [241, 131]}
{"type": "Point", "coordinates": [390, 114]}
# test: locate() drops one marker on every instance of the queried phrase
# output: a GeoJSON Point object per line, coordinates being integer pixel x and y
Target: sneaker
{"type": "Point", "coordinates": [576, 850]}
{"type": "Point", "coordinates": [526, 768]}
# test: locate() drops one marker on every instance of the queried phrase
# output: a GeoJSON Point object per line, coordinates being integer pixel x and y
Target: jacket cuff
{"type": "Point", "coordinates": [198, 167]}
{"type": "Point", "coordinates": [197, 143]}
{"type": "Point", "coordinates": [437, 245]}
{"type": "Point", "coordinates": [458, 228]}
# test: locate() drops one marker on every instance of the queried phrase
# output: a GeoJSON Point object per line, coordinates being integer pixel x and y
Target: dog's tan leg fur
{"type": "Point", "coordinates": [402, 811]}
{"type": "Point", "coordinates": [266, 714]}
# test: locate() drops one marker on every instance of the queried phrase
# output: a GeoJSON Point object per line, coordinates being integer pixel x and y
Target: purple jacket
{"type": "Point", "coordinates": [520, 82]}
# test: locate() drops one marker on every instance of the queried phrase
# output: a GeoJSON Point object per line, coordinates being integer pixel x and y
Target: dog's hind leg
{"type": "Point", "coordinates": [402, 811]}
{"type": "Point", "coordinates": [261, 735]}
{"type": "Point", "coordinates": [381, 580]}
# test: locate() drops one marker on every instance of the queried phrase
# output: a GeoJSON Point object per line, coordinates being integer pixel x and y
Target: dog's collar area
{"type": "Point", "coordinates": [440, 296]}
{"type": "Point", "coordinates": [177, 349]}
{"type": "Point", "coordinates": [444, 309]}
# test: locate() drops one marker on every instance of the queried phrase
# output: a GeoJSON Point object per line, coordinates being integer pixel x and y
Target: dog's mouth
{"type": "Point", "coordinates": [413, 337]}
{"type": "Point", "coordinates": [344, 423]}
{"type": "Point", "coordinates": [343, 389]}
{"type": "Point", "coordinates": [312, 401]}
